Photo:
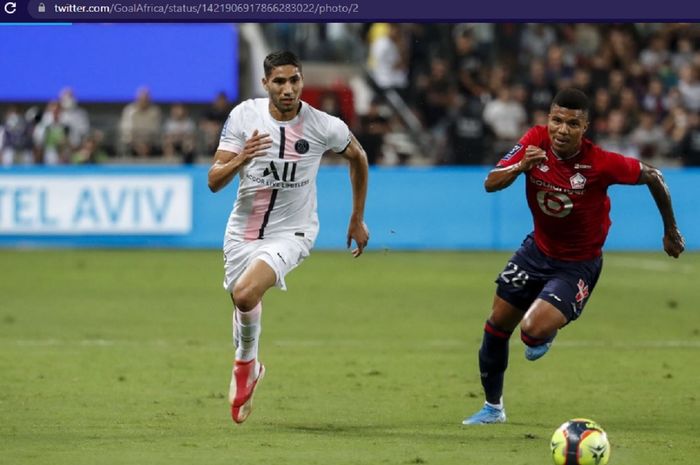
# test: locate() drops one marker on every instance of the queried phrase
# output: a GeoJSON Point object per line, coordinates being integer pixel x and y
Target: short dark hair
{"type": "Point", "coordinates": [573, 99]}
{"type": "Point", "coordinates": [280, 58]}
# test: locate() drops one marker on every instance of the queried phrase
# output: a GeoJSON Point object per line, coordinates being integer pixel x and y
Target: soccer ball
{"type": "Point", "coordinates": [580, 442]}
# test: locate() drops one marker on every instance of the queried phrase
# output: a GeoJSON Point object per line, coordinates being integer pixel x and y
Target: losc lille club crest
{"type": "Point", "coordinates": [578, 181]}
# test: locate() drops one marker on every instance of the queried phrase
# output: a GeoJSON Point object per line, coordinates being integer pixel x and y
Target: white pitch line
{"type": "Point", "coordinates": [302, 343]}
{"type": "Point", "coordinates": [646, 264]}
{"type": "Point", "coordinates": [663, 344]}
{"type": "Point", "coordinates": [632, 345]}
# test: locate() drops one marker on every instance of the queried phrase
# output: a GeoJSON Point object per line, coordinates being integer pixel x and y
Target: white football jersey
{"type": "Point", "coordinates": [277, 192]}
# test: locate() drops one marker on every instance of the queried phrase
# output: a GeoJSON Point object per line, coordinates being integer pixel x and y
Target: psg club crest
{"type": "Point", "coordinates": [301, 146]}
{"type": "Point", "coordinates": [578, 181]}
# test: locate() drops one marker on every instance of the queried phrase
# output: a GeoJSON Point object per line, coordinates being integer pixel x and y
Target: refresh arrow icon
{"type": "Point", "coordinates": [10, 7]}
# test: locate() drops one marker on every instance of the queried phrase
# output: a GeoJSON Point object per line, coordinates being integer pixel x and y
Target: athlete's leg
{"type": "Point", "coordinates": [539, 327]}
{"type": "Point", "coordinates": [542, 320]}
{"type": "Point", "coordinates": [493, 360]}
{"type": "Point", "coordinates": [247, 370]}
{"type": "Point", "coordinates": [247, 296]}
{"type": "Point", "coordinates": [252, 285]}
{"type": "Point", "coordinates": [493, 354]}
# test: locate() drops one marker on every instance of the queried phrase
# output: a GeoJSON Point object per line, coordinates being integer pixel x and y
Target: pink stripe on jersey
{"type": "Point", "coordinates": [261, 202]}
{"type": "Point", "coordinates": [293, 133]}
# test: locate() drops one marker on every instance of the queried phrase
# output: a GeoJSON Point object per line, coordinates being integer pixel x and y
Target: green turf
{"type": "Point", "coordinates": [123, 357]}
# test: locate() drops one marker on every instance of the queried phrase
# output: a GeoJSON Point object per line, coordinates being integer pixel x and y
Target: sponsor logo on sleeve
{"type": "Point", "coordinates": [512, 152]}
{"type": "Point", "coordinates": [223, 129]}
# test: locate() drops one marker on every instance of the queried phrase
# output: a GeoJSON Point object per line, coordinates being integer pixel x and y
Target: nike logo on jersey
{"type": "Point", "coordinates": [580, 166]}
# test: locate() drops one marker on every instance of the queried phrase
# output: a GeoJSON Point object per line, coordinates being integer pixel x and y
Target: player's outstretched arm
{"type": "Point", "coordinates": [359, 174]}
{"type": "Point", "coordinates": [500, 178]}
{"type": "Point", "coordinates": [674, 244]}
{"type": "Point", "coordinates": [227, 164]}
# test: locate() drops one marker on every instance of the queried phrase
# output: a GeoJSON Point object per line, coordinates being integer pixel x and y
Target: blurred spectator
{"type": "Point", "coordinates": [622, 46]}
{"type": "Point", "coordinates": [373, 127]}
{"type": "Point", "coordinates": [655, 100]}
{"type": "Point", "coordinates": [600, 68]}
{"type": "Point", "coordinates": [483, 34]}
{"type": "Point", "coordinates": [689, 146]}
{"type": "Point", "coordinates": [539, 89]}
{"type": "Point", "coordinates": [467, 134]}
{"type": "Point", "coordinates": [330, 103]}
{"type": "Point", "coordinates": [677, 123]}
{"type": "Point", "coordinates": [51, 136]}
{"type": "Point", "coordinates": [636, 79]}
{"type": "Point", "coordinates": [399, 147]}
{"type": "Point", "coordinates": [689, 87]}
{"type": "Point", "coordinates": [422, 43]}
{"type": "Point", "coordinates": [140, 126]}
{"type": "Point", "coordinates": [179, 134]}
{"type": "Point", "coordinates": [437, 93]}
{"type": "Point", "coordinates": [343, 42]}
{"type": "Point", "coordinates": [583, 81]}
{"type": "Point", "coordinates": [616, 84]}
{"type": "Point", "coordinates": [615, 139]}
{"type": "Point", "coordinates": [89, 152]}
{"type": "Point", "coordinates": [540, 118]}
{"type": "Point", "coordinates": [213, 121]}
{"type": "Point", "coordinates": [444, 72]}
{"type": "Point", "coordinates": [559, 66]}
{"type": "Point", "coordinates": [650, 139]}
{"type": "Point", "coordinates": [629, 105]}
{"type": "Point", "coordinates": [468, 62]}
{"type": "Point", "coordinates": [683, 54]}
{"type": "Point", "coordinates": [506, 118]}
{"type": "Point", "coordinates": [75, 118]}
{"type": "Point", "coordinates": [655, 55]}
{"type": "Point", "coordinates": [498, 78]}
{"type": "Point", "coordinates": [507, 43]}
{"type": "Point", "coordinates": [587, 40]}
{"type": "Point", "coordinates": [387, 59]}
{"type": "Point", "coordinates": [15, 143]}
{"type": "Point", "coordinates": [536, 39]}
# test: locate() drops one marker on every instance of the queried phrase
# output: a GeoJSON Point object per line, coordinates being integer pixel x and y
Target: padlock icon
{"type": "Point", "coordinates": [42, 8]}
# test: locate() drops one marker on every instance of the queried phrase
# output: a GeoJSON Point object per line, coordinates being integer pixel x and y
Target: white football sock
{"type": "Point", "coordinates": [499, 405]}
{"type": "Point", "coordinates": [246, 329]}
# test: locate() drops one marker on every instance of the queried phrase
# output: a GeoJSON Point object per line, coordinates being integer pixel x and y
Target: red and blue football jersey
{"type": "Point", "coordinates": [569, 198]}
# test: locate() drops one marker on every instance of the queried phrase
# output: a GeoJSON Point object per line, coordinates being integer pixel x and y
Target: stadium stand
{"type": "Point", "coordinates": [418, 94]}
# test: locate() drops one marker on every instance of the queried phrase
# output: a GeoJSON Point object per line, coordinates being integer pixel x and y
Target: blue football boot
{"type": "Point", "coordinates": [487, 415]}
{"type": "Point", "coordinates": [535, 352]}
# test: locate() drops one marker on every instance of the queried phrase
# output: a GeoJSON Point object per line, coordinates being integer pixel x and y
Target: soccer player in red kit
{"type": "Point", "coordinates": [547, 282]}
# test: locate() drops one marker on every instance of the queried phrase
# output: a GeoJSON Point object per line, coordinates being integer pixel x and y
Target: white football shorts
{"type": "Point", "coordinates": [283, 254]}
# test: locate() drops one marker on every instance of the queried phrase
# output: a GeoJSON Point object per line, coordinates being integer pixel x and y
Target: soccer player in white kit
{"type": "Point", "coordinates": [275, 146]}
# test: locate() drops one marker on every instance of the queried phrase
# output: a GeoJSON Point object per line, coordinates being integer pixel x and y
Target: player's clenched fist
{"type": "Point", "coordinates": [256, 146]}
{"type": "Point", "coordinates": [533, 157]}
{"type": "Point", "coordinates": [674, 243]}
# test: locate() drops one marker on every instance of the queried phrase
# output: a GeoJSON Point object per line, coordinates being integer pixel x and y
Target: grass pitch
{"type": "Point", "coordinates": [123, 357]}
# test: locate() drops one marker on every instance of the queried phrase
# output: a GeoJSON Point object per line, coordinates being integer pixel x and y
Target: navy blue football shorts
{"type": "Point", "coordinates": [530, 274]}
